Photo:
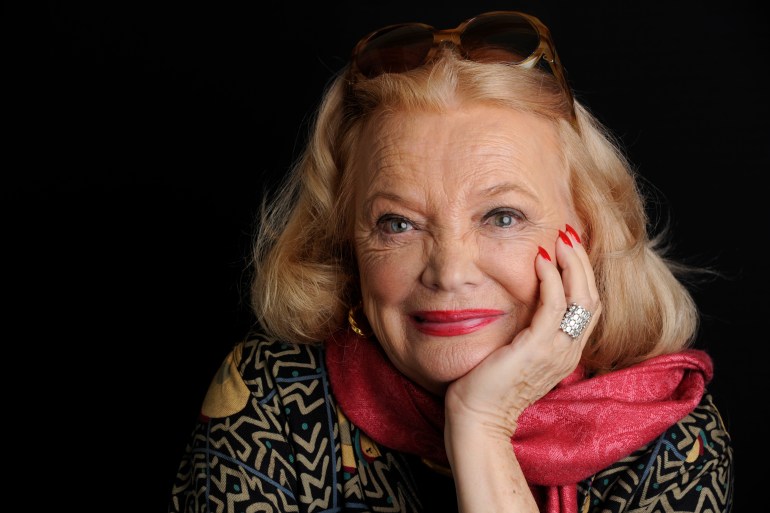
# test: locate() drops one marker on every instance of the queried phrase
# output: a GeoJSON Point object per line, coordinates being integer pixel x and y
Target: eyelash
{"type": "Point", "coordinates": [515, 215]}
{"type": "Point", "coordinates": [385, 222]}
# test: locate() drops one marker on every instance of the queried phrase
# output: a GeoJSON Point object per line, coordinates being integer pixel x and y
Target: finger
{"type": "Point", "coordinates": [579, 288]}
{"type": "Point", "coordinates": [580, 251]}
{"type": "Point", "coordinates": [573, 272]}
{"type": "Point", "coordinates": [553, 302]}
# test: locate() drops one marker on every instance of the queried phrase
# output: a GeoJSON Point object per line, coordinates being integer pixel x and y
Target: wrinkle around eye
{"type": "Point", "coordinates": [376, 236]}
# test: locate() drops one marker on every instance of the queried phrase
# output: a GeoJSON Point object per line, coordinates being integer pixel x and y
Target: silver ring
{"type": "Point", "coordinates": [575, 320]}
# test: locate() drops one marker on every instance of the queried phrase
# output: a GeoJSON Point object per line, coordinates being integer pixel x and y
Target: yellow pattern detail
{"type": "Point", "coordinates": [227, 394]}
{"type": "Point", "coordinates": [694, 452]}
{"type": "Point", "coordinates": [586, 503]}
{"type": "Point", "coordinates": [368, 446]}
{"type": "Point", "coordinates": [346, 445]}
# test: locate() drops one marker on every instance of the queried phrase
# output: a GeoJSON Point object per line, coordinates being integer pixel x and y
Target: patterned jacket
{"type": "Point", "coordinates": [271, 439]}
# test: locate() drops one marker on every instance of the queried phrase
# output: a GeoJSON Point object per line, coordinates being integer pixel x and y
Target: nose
{"type": "Point", "coordinates": [452, 264]}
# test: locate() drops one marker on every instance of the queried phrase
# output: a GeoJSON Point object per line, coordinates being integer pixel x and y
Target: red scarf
{"type": "Point", "coordinates": [577, 429]}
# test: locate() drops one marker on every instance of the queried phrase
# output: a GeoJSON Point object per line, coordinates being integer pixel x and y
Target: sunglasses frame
{"type": "Point", "coordinates": [545, 49]}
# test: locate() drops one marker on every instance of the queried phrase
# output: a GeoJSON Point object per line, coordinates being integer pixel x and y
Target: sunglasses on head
{"type": "Point", "coordinates": [500, 36]}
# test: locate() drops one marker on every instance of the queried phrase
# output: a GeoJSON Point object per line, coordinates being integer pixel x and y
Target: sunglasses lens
{"type": "Point", "coordinates": [394, 50]}
{"type": "Point", "coordinates": [500, 38]}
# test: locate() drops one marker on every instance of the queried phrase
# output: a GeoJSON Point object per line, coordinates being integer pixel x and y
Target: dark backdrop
{"type": "Point", "coordinates": [141, 136]}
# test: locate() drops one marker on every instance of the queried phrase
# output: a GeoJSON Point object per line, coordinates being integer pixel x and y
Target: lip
{"type": "Point", "coordinates": [451, 323]}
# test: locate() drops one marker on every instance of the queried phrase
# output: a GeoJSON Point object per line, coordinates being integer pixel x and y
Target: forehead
{"type": "Point", "coordinates": [472, 144]}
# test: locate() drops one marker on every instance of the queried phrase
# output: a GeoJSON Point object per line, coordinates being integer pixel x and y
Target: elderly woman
{"type": "Point", "coordinates": [460, 307]}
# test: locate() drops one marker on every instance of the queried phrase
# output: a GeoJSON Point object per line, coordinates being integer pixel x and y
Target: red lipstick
{"type": "Point", "coordinates": [451, 323]}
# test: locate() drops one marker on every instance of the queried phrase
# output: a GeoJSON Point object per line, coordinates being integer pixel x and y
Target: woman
{"type": "Point", "coordinates": [461, 308]}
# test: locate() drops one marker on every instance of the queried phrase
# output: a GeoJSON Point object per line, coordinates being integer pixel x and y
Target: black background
{"type": "Point", "coordinates": [141, 137]}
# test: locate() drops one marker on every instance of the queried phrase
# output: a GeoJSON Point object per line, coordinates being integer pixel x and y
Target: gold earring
{"type": "Point", "coordinates": [352, 321]}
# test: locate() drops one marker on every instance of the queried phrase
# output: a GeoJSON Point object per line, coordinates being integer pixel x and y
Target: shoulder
{"type": "Point", "coordinates": [255, 370]}
{"type": "Point", "coordinates": [264, 423]}
{"type": "Point", "coordinates": [267, 356]}
{"type": "Point", "coordinates": [687, 468]}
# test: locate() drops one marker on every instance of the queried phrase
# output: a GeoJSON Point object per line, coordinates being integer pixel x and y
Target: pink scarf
{"type": "Point", "coordinates": [579, 428]}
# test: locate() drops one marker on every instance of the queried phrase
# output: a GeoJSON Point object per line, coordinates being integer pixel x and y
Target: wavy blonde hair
{"type": "Point", "coordinates": [305, 274]}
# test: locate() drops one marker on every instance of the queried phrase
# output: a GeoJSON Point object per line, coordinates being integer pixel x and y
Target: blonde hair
{"type": "Point", "coordinates": [305, 274]}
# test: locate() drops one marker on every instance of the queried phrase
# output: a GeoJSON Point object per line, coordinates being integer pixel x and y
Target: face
{"type": "Point", "coordinates": [450, 209]}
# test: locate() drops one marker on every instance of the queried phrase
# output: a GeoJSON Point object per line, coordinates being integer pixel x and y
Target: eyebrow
{"type": "Point", "coordinates": [489, 192]}
{"type": "Point", "coordinates": [508, 187]}
{"type": "Point", "coordinates": [367, 206]}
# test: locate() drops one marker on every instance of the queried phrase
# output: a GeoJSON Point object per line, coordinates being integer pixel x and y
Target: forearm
{"type": "Point", "coordinates": [487, 474]}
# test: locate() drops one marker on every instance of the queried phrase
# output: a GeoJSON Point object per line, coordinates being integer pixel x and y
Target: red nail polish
{"type": "Point", "coordinates": [543, 253]}
{"type": "Point", "coordinates": [565, 239]}
{"type": "Point", "coordinates": [574, 234]}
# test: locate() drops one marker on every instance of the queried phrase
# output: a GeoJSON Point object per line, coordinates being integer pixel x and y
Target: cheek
{"type": "Point", "coordinates": [511, 263]}
{"type": "Point", "coordinates": [387, 277]}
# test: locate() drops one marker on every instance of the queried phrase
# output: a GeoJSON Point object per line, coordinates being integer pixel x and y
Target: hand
{"type": "Point", "coordinates": [492, 396]}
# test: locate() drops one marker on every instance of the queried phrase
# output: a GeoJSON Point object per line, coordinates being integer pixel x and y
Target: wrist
{"type": "Point", "coordinates": [487, 438]}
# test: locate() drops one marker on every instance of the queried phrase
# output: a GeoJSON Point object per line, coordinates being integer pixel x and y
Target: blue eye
{"type": "Point", "coordinates": [398, 225]}
{"type": "Point", "coordinates": [392, 224]}
{"type": "Point", "coordinates": [504, 218]}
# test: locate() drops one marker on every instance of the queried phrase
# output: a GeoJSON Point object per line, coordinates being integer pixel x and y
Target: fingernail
{"type": "Point", "coordinates": [543, 253]}
{"type": "Point", "coordinates": [574, 234]}
{"type": "Point", "coordinates": [565, 239]}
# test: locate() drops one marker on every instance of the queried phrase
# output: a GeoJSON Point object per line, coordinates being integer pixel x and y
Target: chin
{"type": "Point", "coordinates": [440, 366]}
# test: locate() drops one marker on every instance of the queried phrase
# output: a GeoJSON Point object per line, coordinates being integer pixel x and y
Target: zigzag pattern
{"type": "Point", "coordinates": [687, 469]}
{"type": "Point", "coordinates": [283, 453]}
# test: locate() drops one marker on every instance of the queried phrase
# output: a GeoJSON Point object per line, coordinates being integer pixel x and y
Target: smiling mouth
{"type": "Point", "coordinates": [450, 323]}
